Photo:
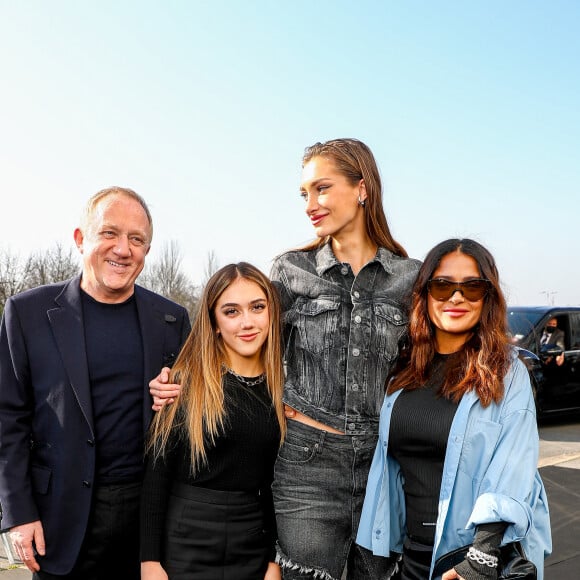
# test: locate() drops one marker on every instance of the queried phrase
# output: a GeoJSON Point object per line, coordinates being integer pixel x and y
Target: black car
{"type": "Point", "coordinates": [556, 379]}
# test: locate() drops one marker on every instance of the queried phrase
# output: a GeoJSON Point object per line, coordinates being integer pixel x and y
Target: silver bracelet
{"type": "Point", "coordinates": [482, 557]}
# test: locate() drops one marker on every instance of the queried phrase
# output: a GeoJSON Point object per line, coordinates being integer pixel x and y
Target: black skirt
{"type": "Point", "coordinates": [215, 535]}
{"type": "Point", "coordinates": [416, 562]}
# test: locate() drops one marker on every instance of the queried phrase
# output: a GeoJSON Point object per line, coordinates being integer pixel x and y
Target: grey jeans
{"type": "Point", "coordinates": [319, 485]}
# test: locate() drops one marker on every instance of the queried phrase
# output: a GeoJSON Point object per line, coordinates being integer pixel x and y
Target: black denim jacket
{"type": "Point", "coordinates": [341, 333]}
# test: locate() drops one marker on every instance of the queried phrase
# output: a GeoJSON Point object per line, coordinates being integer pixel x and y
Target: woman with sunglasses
{"type": "Point", "coordinates": [456, 461]}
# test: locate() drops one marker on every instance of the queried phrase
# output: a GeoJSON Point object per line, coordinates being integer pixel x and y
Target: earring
{"type": "Point", "coordinates": [361, 202]}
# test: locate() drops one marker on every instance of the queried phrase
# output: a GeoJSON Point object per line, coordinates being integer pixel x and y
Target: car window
{"type": "Point", "coordinates": [574, 330]}
{"type": "Point", "coordinates": [521, 321]}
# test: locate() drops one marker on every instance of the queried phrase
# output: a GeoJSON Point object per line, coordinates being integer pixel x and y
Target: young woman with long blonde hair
{"type": "Point", "coordinates": [207, 509]}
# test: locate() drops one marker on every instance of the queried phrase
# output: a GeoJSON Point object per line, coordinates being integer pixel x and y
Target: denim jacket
{"type": "Point", "coordinates": [490, 474]}
{"type": "Point", "coordinates": [341, 333]}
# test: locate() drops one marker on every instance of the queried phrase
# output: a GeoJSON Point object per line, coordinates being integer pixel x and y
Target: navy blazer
{"type": "Point", "coordinates": [47, 439]}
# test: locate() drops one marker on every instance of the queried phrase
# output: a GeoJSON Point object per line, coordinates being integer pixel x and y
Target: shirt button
{"type": "Point", "coordinates": [344, 270]}
{"type": "Point", "coordinates": [357, 294]}
{"type": "Point", "coordinates": [86, 483]}
{"type": "Point", "coordinates": [357, 319]}
{"type": "Point", "coordinates": [355, 351]}
{"type": "Point", "coordinates": [355, 387]}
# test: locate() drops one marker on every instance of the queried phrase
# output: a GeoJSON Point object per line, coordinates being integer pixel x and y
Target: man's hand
{"type": "Point", "coordinates": [25, 539]}
{"type": "Point", "coordinates": [162, 391]}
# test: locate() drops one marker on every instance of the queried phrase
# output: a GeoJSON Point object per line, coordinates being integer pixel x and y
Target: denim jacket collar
{"type": "Point", "coordinates": [325, 259]}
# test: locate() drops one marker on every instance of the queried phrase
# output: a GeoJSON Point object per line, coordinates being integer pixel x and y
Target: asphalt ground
{"type": "Point", "coordinates": [561, 475]}
{"type": "Point", "coordinates": [563, 489]}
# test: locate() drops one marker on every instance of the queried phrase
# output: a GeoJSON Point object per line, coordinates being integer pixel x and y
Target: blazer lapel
{"type": "Point", "coordinates": [67, 325]}
{"type": "Point", "coordinates": [152, 323]}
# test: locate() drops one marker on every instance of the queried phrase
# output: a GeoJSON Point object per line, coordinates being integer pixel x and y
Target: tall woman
{"type": "Point", "coordinates": [344, 301]}
{"type": "Point", "coordinates": [456, 461]}
{"type": "Point", "coordinates": [207, 511]}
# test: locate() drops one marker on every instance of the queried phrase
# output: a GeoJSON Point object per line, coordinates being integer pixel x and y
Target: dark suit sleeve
{"type": "Point", "coordinates": [16, 409]}
{"type": "Point", "coordinates": [185, 326]}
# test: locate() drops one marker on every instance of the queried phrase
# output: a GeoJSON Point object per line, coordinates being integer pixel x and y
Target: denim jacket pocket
{"type": "Point", "coordinates": [317, 321]}
{"type": "Point", "coordinates": [390, 325]}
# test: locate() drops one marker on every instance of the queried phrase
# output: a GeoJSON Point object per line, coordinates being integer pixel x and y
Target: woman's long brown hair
{"type": "Point", "coordinates": [485, 357]}
{"type": "Point", "coordinates": [356, 161]}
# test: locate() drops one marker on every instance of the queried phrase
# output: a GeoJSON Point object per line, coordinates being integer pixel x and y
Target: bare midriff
{"type": "Point", "coordinates": [295, 415]}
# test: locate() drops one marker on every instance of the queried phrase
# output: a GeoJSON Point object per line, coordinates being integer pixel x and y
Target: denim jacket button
{"type": "Point", "coordinates": [355, 352]}
{"type": "Point", "coordinates": [355, 387]}
{"type": "Point", "coordinates": [344, 270]}
{"type": "Point", "coordinates": [357, 319]}
{"type": "Point", "coordinates": [397, 317]}
{"type": "Point", "coordinates": [351, 426]}
{"type": "Point", "coordinates": [357, 294]}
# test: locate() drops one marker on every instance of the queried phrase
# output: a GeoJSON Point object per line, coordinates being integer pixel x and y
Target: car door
{"type": "Point", "coordinates": [561, 388]}
{"type": "Point", "coordinates": [572, 360]}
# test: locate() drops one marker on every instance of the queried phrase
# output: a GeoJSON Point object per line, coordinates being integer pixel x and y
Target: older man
{"type": "Point", "coordinates": [75, 362]}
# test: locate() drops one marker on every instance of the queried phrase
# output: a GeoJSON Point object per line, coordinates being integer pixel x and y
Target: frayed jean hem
{"type": "Point", "coordinates": [287, 564]}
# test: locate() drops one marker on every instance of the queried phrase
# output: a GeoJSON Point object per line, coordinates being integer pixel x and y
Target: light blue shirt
{"type": "Point", "coordinates": [490, 474]}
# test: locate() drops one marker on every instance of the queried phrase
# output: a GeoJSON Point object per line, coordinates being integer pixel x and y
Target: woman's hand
{"type": "Point", "coordinates": [153, 571]}
{"type": "Point", "coordinates": [273, 572]}
{"type": "Point", "coordinates": [451, 575]}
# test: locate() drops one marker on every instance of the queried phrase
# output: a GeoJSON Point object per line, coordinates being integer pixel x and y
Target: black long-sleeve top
{"type": "Point", "coordinates": [420, 426]}
{"type": "Point", "coordinates": [242, 459]}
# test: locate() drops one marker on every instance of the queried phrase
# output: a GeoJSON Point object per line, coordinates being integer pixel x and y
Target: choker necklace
{"type": "Point", "coordinates": [245, 380]}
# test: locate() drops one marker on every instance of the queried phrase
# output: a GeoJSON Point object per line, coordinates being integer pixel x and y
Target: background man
{"type": "Point", "coordinates": [553, 336]}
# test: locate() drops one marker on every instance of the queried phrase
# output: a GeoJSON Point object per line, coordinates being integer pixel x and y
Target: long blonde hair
{"type": "Point", "coordinates": [199, 368]}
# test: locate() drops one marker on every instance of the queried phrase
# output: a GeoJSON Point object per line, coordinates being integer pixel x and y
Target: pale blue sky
{"type": "Point", "coordinates": [472, 109]}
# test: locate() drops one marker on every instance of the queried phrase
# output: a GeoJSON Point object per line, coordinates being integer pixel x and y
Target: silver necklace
{"type": "Point", "coordinates": [246, 381]}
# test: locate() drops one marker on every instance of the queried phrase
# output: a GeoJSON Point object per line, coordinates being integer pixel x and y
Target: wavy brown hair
{"type": "Point", "coordinates": [356, 161]}
{"type": "Point", "coordinates": [484, 360]}
{"type": "Point", "coordinates": [200, 367]}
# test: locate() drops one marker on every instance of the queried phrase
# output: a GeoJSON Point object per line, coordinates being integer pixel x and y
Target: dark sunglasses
{"type": "Point", "coordinates": [472, 290]}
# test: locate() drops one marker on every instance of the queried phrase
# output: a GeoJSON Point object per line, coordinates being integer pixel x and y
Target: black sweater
{"type": "Point", "coordinates": [242, 459]}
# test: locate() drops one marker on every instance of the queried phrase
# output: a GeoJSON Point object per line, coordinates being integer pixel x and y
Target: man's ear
{"type": "Point", "coordinates": [79, 238]}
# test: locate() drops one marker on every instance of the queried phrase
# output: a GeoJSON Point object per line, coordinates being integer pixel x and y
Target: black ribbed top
{"type": "Point", "coordinates": [420, 425]}
{"type": "Point", "coordinates": [242, 459]}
